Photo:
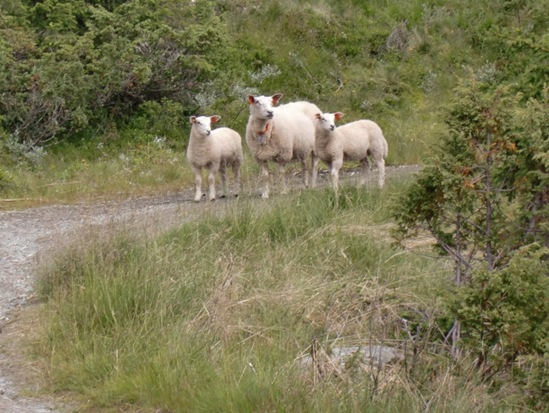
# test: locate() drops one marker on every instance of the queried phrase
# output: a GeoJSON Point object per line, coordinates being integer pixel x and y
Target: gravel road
{"type": "Point", "coordinates": [25, 238]}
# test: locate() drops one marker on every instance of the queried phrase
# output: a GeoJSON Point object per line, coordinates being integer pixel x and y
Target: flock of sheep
{"type": "Point", "coordinates": [291, 132]}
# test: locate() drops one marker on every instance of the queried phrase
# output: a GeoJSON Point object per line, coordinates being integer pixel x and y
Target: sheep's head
{"type": "Point", "coordinates": [326, 121]}
{"type": "Point", "coordinates": [261, 107]}
{"type": "Point", "coordinates": [202, 124]}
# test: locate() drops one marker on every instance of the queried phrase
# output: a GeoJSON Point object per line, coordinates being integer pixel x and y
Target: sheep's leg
{"type": "Point", "coordinates": [237, 179]}
{"type": "Point", "coordinates": [264, 179]}
{"type": "Point", "coordinates": [314, 169]}
{"type": "Point", "coordinates": [305, 172]}
{"type": "Point", "coordinates": [334, 174]}
{"type": "Point", "coordinates": [223, 174]}
{"type": "Point", "coordinates": [211, 182]}
{"type": "Point", "coordinates": [282, 177]}
{"type": "Point", "coordinates": [365, 171]}
{"type": "Point", "coordinates": [197, 183]}
{"type": "Point", "coordinates": [381, 167]}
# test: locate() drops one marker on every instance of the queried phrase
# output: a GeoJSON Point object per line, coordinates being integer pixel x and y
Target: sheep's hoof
{"type": "Point", "coordinates": [223, 196]}
{"type": "Point", "coordinates": [236, 195]}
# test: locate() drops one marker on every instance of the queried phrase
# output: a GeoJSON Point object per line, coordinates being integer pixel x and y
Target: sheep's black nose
{"type": "Point", "coordinates": [332, 127]}
{"type": "Point", "coordinates": [270, 114]}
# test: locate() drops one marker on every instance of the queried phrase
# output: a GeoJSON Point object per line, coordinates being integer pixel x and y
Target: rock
{"type": "Point", "coordinates": [342, 358]}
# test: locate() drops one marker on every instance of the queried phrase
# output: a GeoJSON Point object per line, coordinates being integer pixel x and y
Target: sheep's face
{"type": "Point", "coordinates": [261, 107]}
{"type": "Point", "coordinates": [327, 121]}
{"type": "Point", "coordinates": [203, 124]}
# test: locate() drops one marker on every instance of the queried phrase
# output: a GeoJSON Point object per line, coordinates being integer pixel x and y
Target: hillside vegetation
{"type": "Point", "coordinates": [95, 90]}
{"type": "Point", "coordinates": [246, 308]}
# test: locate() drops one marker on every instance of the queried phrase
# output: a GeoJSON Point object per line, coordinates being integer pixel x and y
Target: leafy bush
{"type": "Point", "coordinates": [21, 152]}
{"type": "Point", "coordinates": [89, 65]}
{"type": "Point", "coordinates": [505, 313]}
{"type": "Point", "coordinates": [483, 198]}
{"type": "Point", "coordinates": [505, 319]}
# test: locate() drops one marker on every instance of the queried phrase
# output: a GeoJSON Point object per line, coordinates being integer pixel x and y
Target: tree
{"type": "Point", "coordinates": [484, 197]}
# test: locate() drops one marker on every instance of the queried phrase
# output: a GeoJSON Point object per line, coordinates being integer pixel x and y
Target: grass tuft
{"type": "Point", "coordinates": [215, 315]}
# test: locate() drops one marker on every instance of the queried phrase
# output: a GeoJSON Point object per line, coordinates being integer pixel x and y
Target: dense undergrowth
{"type": "Point", "coordinates": [216, 314]}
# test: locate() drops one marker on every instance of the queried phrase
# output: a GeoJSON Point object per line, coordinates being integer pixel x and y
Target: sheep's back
{"type": "Point", "coordinates": [296, 127]}
{"type": "Point", "coordinates": [227, 143]}
{"type": "Point", "coordinates": [307, 108]}
{"type": "Point", "coordinates": [378, 143]}
{"type": "Point", "coordinates": [355, 139]}
{"type": "Point", "coordinates": [364, 133]}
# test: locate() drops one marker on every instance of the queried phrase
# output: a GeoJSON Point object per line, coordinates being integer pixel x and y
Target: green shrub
{"type": "Point", "coordinates": [505, 313]}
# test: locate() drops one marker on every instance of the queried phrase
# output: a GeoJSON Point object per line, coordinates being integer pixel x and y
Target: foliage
{"type": "Point", "coordinates": [467, 198]}
{"type": "Point", "coordinates": [506, 313]}
{"type": "Point", "coordinates": [484, 198]}
{"type": "Point", "coordinates": [5, 178]}
{"type": "Point", "coordinates": [505, 320]}
{"type": "Point", "coordinates": [73, 63]}
{"type": "Point", "coordinates": [529, 166]}
{"type": "Point", "coordinates": [90, 64]}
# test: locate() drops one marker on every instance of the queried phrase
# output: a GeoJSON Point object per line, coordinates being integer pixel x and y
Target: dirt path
{"type": "Point", "coordinates": [27, 235]}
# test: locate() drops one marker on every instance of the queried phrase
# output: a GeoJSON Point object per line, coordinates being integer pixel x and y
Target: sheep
{"type": "Point", "coordinates": [308, 108]}
{"type": "Point", "coordinates": [281, 134]}
{"type": "Point", "coordinates": [213, 150]}
{"type": "Point", "coordinates": [354, 141]}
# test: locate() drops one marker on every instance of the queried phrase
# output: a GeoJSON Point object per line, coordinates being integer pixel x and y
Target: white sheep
{"type": "Point", "coordinates": [354, 141]}
{"type": "Point", "coordinates": [308, 108]}
{"type": "Point", "coordinates": [281, 134]}
{"type": "Point", "coordinates": [213, 150]}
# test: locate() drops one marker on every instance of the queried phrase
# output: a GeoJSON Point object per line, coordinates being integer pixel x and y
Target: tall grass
{"type": "Point", "coordinates": [215, 315]}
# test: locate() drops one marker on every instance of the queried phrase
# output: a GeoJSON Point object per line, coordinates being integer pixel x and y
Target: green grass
{"type": "Point", "coordinates": [212, 315]}
{"type": "Point", "coordinates": [402, 90]}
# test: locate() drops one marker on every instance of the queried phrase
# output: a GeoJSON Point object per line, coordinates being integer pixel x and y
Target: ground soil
{"type": "Point", "coordinates": [28, 237]}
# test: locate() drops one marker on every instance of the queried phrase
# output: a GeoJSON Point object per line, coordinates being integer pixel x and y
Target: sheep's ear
{"type": "Point", "coordinates": [193, 119]}
{"type": "Point", "coordinates": [338, 115]}
{"type": "Point", "coordinates": [251, 99]}
{"type": "Point", "coordinates": [276, 98]}
{"type": "Point", "coordinates": [215, 118]}
{"type": "Point", "coordinates": [318, 116]}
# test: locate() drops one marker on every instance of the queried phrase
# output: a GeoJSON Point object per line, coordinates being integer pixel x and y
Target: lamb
{"type": "Point", "coordinates": [281, 134]}
{"type": "Point", "coordinates": [354, 141]}
{"type": "Point", "coordinates": [213, 150]}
